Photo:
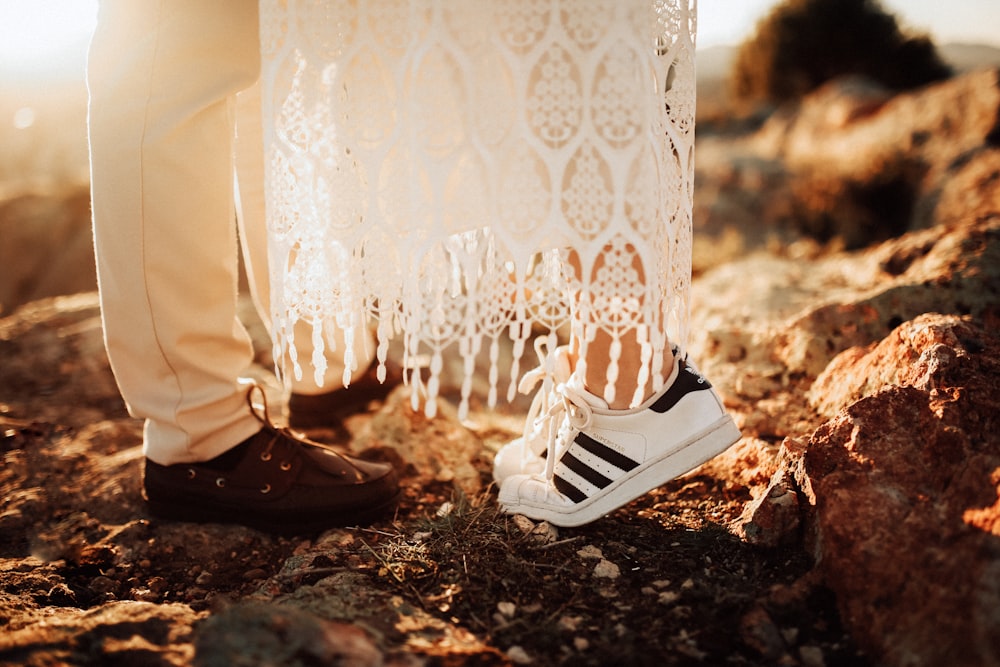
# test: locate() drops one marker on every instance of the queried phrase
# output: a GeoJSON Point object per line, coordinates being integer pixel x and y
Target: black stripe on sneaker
{"type": "Point", "coordinates": [568, 490]}
{"type": "Point", "coordinates": [687, 381]}
{"type": "Point", "coordinates": [619, 461]}
{"type": "Point", "coordinates": [584, 471]}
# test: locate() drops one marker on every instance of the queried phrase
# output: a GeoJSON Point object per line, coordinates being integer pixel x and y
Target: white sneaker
{"type": "Point", "coordinates": [601, 459]}
{"type": "Point", "coordinates": [525, 455]}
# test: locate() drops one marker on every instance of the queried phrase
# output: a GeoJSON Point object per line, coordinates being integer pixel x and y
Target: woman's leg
{"type": "Point", "coordinates": [623, 352]}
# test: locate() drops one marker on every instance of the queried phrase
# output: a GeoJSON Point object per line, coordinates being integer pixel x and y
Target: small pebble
{"type": "Point", "coordinates": [195, 593]}
{"type": "Point", "coordinates": [507, 608]}
{"type": "Point", "coordinates": [523, 523]}
{"type": "Point", "coordinates": [519, 656]}
{"type": "Point", "coordinates": [590, 551]}
{"type": "Point", "coordinates": [102, 585]}
{"type": "Point", "coordinates": [545, 533]}
{"type": "Point", "coordinates": [606, 570]}
{"type": "Point", "coordinates": [142, 595]}
{"type": "Point", "coordinates": [569, 623]}
{"type": "Point", "coordinates": [157, 584]}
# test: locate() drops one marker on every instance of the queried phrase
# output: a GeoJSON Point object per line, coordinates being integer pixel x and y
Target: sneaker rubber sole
{"type": "Point", "coordinates": [702, 447]}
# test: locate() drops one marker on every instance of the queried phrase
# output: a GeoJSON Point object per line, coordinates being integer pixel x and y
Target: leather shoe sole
{"type": "Point", "coordinates": [274, 481]}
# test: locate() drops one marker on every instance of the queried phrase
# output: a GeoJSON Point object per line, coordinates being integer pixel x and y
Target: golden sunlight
{"type": "Point", "coordinates": [44, 36]}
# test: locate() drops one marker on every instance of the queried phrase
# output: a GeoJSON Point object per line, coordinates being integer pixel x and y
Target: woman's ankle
{"type": "Point", "coordinates": [627, 394]}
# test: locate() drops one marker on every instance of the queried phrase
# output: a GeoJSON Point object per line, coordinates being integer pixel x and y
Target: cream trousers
{"type": "Point", "coordinates": [174, 116]}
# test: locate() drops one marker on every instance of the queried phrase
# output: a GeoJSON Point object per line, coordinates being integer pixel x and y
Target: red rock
{"type": "Point", "coordinates": [905, 507]}
{"type": "Point", "coordinates": [759, 632]}
{"type": "Point", "coordinates": [773, 518]}
{"type": "Point", "coordinates": [402, 433]}
{"type": "Point", "coordinates": [932, 125]}
{"type": "Point", "coordinates": [257, 633]}
{"type": "Point", "coordinates": [125, 632]}
{"type": "Point", "coordinates": [927, 352]}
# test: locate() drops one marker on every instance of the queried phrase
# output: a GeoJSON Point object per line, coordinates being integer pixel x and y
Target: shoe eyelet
{"type": "Point", "coordinates": [265, 456]}
{"type": "Point", "coordinates": [266, 489]}
{"type": "Point", "coordinates": [191, 473]}
{"type": "Point", "coordinates": [220, 482]}
{"type": "Point", "coordinates": [286, 466]}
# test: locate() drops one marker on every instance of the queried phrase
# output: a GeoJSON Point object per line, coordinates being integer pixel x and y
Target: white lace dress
{"type": "Point", "coordinates": [451, 172]}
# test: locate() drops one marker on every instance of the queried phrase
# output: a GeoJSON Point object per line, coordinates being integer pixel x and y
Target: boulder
{"type": "Point", "coordinates": [898, 495]}
{"type": "Point", "coordinates": [932, 125]}
{"type": "Point", "coordinates": [764, 328]}
{"type": "Point", "coordinates": [930, 352]}
{"type": "Point", "coordinates": [890, 471]}
{"type": "Point", "coordinates": [255, 633]}
{"type": "Point", "coordinates": [850, 166]}
{"type": "Point", "coordinates": [124, 633]}
{"type": "Point", "coordinates": [904, 485]}
{"type": "Point", "coordinates": [403, 433]}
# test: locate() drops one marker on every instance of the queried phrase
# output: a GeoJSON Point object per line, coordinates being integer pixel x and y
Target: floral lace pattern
{"type": "Point", "coordinates": [451, 171]}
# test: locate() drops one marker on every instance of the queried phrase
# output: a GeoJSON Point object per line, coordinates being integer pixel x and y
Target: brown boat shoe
{"type": "Point", "coordinates": [276, 481]}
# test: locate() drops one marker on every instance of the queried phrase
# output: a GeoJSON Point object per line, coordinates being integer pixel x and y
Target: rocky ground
{"type": "Point", "coordinates": [848, 312]}
{"type": "Point", "coordinates": [88, 576]}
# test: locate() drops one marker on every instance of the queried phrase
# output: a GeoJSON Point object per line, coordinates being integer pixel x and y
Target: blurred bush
{"type": "Point", "coordinates": [802, 44]}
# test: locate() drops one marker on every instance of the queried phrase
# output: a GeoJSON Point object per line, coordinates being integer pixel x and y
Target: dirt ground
{"type": "Point", "coordinates": [88, 577]}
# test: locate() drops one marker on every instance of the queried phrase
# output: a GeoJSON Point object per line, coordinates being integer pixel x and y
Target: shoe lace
{"type": "Point", "coordinates": [279, 434]}
{"type": "Point", "coordinates": [573, 414]}
{"type": "Point", "coordinates": [547, 373]}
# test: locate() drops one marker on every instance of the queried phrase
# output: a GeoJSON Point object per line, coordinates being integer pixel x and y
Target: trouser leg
{"type": "Point", "coordinates": [163, 76]}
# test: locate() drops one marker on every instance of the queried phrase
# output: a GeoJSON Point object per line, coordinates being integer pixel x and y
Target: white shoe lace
{"type": "Point", "coordinates": [573, 414]}
{"type": "Point", "coordinates": [557, 402]}
{"type": "Point", "coordinates": [549, 373]}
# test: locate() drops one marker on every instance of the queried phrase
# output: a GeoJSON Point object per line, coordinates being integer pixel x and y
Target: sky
{"type": "Point", "coordinates": [50, 36]}
{"type": "Point", "coordinates": [47, 37]}
{"type": "Point", "coordinates": [972, 21]}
